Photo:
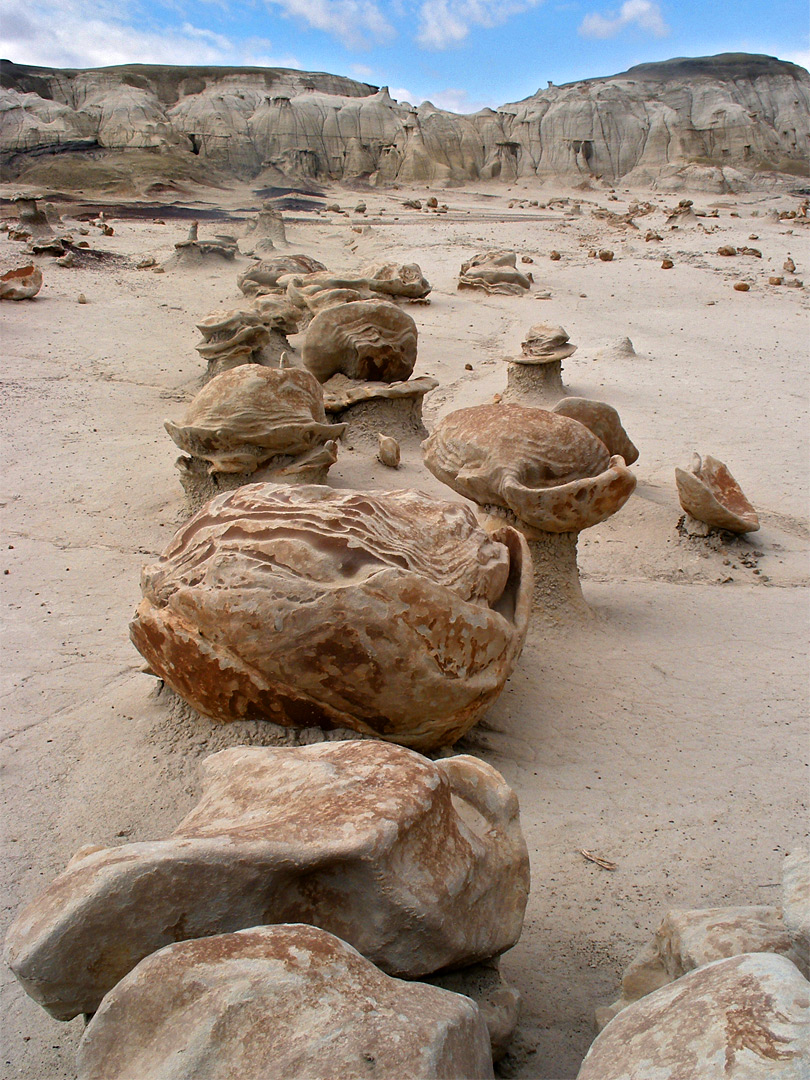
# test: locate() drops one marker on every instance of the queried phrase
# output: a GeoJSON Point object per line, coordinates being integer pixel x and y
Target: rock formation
{"type": "Point", "coordinates": [244, 336]}
{"type": "Point", "coordinates": [744, 1018]}
{"type": "Point", "coordinates": [389, 613]}
{"type": "Point", "coordinates": [419, 865]}
{"type": "Point", "coordinates": [23, 283]}
{"type": "Point", "coordinates": [603, 420]}
{"type": "Point", "coordinates": [281, 1001]}
{"type": "Point", "coordinates": [494, 272]}
{"type": "Point", "coordinates": [705, 119]}
{"type": "Point", "coordinates": [263, 276]}
{"type": "Point", "coordinates": [535, 377]}
{"type": "Point", "coordinates": [254, 423]}
{"type": "Point", "coordinates": [369, 340]}
{"type": "Point", "coordinates": [709, 493]}
{"type": "Point", "coordinates": [193, 252]}
{"type": "Point", "coordinates": [545, 473]}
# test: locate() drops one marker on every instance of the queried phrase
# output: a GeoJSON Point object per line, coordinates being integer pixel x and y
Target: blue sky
{"type": "Point", "coordinates": [460, 54]}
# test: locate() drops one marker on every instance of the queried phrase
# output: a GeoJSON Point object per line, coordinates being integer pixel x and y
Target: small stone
{"type": "Point", "coordinates": [526, 259]}
{"type": "Point", "coordinates": [667, 264]}
{"type": "Point", "coordinates": [81, 298]}
{"type": "Point", "coordinates": [776, 281]}
{"type": "Point", "coordinates": [146, 263]}
{"type": "Point", "coordinates": [68, 259]}
{"type": "Point", "coordinates": [433, 202]}
{"type": "Point", "coordinates": [727, 250]}
{"type": "Point", "coordinates": [753, 236]}
{"type": "Point", "coordinates": [606, 255]}
{"type": "Point", "coordinates": [388, 452]}
{"type": "Point", "coordinates": [159, 270]}
{"type": "Point", "coordinates": [741, 286]}
{"type": "Point", "coordinates": [555, 256]}
{"type": "Point", "coordinates": [652, 235]}
{"type": "Point", "coordinates": [360, 208]}
{"type": "Point", "coordinates": [468, 367]}
{"type": "Point", "coordinates": [789, 265]}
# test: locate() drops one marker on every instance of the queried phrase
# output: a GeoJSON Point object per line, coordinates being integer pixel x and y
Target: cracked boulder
{"type": "Point", "coordinates": [390, 613]}
{"type": "Point", "coordinates": [419, 865]}
{"type": "Point", "coordinates": [282, 1001]}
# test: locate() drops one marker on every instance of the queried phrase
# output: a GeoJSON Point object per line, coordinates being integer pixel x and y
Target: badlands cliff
{"type": "Point", "coordinates": [718, 116]}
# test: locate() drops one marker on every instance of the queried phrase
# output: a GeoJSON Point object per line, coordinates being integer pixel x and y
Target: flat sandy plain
{"type": "Point", "coordinates": [668, 734]}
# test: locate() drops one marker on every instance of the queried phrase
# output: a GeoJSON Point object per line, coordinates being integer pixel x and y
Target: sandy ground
{"type": "Point", "coordinates": [668, 734]}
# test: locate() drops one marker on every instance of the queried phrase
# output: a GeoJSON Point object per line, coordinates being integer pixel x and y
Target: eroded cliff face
{"type": "Point", "coordinates": [733, 111]}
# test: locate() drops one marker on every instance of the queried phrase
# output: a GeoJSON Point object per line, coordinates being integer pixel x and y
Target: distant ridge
{"type": "Point", "coordinates": [718, 121]}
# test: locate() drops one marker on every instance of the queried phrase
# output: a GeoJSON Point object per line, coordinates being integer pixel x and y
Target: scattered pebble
{"type": "Point", "coordinates": [555, 256]}
{"type": "Point", "coordinates": [606, 255]}
{"type": "Point", "coordinates": [82, 299]}
{"type": "Point", "coordinates": [667, 264]}
{"type": "Point", "coordinates": [741, 286]}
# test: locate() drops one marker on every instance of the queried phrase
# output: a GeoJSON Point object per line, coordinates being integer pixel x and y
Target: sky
{"type": "Point", "coordinates": [459, 54]}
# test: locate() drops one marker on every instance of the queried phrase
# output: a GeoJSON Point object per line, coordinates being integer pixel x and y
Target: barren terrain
{"type": "Point", "coordinates": [668, 734]}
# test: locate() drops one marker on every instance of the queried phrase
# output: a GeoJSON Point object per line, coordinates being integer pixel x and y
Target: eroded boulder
{"type": "Point", "coordinates": [282, 1001]}
{"type": "Point", "coordinates": [603, 420]}
{"type": "Point", "coordinates": [743, 1018]}
{"type": "Point", "coordinates": [233, 338]}
{"type": "Point", "coordinates": [263, 276]}
{"type": "Point", "coordinates": [22, 283]}
{"type": "Point", "coordinates": [367, 340]}
{"type": "Point", "coordinates": [390, 613]}
{"type": "Point", "coordinates": [494, 272]}
{"type": "Point", "coordinates": [254, 423]}
{"type": "Point", "coordinates": [709, 493]}
{"type": "Point", "coordinates": [535, 377]}
{"type": "Point", "coordinates": [419, 865]}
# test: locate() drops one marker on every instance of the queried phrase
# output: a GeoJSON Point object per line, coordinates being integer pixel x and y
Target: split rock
{"type": "Point", "coordinates": [710, 494]}
{"type": "Point", "coordinates": [21, 284]}
{"type": "Point", "coordinates": [419, 865]}
{"type": "Point", "coordinates": [283, 1001]}
{"type": "Point", "coordinates": [390, 613]}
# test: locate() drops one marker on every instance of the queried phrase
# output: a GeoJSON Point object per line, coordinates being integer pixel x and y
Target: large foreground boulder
{"type": "Point", "coordinates": [390, 613]}
{"type": "Point", "coordinates": [419, 865]}
{"type": "Point", "coordinates": [281, 1001]}
{"type": "Point", "coordinates": [743, 1018]}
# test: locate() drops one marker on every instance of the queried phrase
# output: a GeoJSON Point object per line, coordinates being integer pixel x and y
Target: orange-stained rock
{"type": "Point", "coordinates": [709, 492]}
{"type": "Point", "coordinates": [389, 612]}
{"type": "Point", "coordinates": [22, 283]}
{"type": "Point", "coordinates": [744, 1018]}
{"type": "Point", "coordinates": [281, 1002]}
{"type": "Point", "coordinates": [368, 340]}
{"type": "Point", "coordinates": [550, 471]}
{"type": "Point", "coordinates": [419, 865]}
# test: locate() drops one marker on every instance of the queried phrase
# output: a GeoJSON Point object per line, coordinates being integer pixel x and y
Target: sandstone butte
{"type": "Point", "coordinates": [706, 118]}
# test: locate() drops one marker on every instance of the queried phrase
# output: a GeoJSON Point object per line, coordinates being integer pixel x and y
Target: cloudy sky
{"type": "Point", "coordinates": [459, 54]}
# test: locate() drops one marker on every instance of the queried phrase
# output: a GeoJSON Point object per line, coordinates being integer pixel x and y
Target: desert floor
{"type": "Point", "coordinates": [667, 734]}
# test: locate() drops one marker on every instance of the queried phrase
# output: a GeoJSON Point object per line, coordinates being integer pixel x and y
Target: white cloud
{"type": "Point", "coordinates": [443, 23]}
{"type": "Point", "coordinates": [457, 101]}
{"type": "Point", "coordinates": [362, 71]}
{"type": "Point", "coordinates": [358, 24]}
{"type": "Point", "coordinates": [644, 14]}
{"type": "Point", "coordinates": [87, 33]}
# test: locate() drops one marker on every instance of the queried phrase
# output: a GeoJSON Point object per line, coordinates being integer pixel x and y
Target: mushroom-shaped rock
{"type": "Point", "coordinates": [494, 272]}
{"type": "Point", "coordinates": [536, 375]}
{"type": "Point", "coordinates": [254, 418]}
{"type": "Point", "coordinates": [22, 283]}
{"type": "Point", "coordinates": [282, 1001]}
{"type": "Point", "coordinates": [419, 865]}
{"type": "Point", "coordinates": [390, 613]}
{"type": "Point", "coordinates": [709, 493]}
{"type": "Point", "coordinates": [267, 225]}
{"type": "Point", "coordinates": [369, 405]}
{"type": "Point", "coordinates": [603, 420]}
{"type": "Point", "coordinates": [745, 1018]}
{"type": "Point", "coordinates": [263, 276]}
{"type": "Point", "coordinates": [546, 473]}
{"type": "Point", "coordinates": [236, 337]}
{"type": "Point", "coordinates": [368, 340]}
{"type": "Point", "coordinates": [192, 251]}
{"type": "Point", "coordinates": [31, 217]}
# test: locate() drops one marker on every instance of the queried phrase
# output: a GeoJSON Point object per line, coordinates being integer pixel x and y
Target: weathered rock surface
{"type": "Point", "coordinates": [535, 377]}
{"type": "Point", "coordinates": [263, 276]}
{"type": "Point", "coordinates": [233, 338]}
{"type": "Point", "coordinates": [419, 865]}
{"type": "Point", "coordinates": [389, 613]}
{"type": "Point", "coordinates": [796, 905]}
{"type": "Point", "coordinates": [709, 492]}
{"type": "Point", "coordinates": [283, 1001]}
{"type": "Point", "coordinates": [494, 272]}
{"type": "Point", "coordinates": [744, 1018]}
{"type": "Point", "coordinates": [252, 418]}
{"type": "Point", "coordinates": [709, 117]}
{"type": "Point", "coordinates": [194, 252]}
{"type": "Point", "coordinates": [550, 471]}
{"type": "Point", "coordinates": [603, 420]}
{"type": "Point", "coordinates": [23, 283]}
{"type": "Point", "coordinates": [369, 340]}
